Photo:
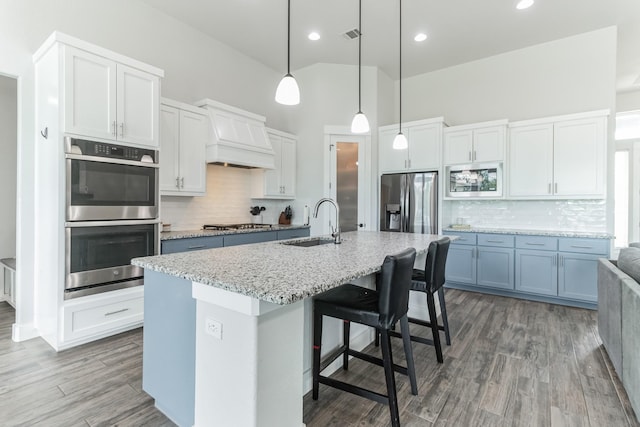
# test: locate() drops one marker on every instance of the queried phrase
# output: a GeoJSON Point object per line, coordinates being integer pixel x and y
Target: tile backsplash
{"type": "Point", "coordinates": [559, 215]}
{"type": "Point", "coordinates": [227, 200]}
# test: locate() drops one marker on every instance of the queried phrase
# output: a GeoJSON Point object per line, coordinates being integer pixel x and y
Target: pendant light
{"type": "Point", "coordinates": [288, 92]}
{"type": "Point", "coordinates": [360, 124]}
{"type": "Point", "coordinates": [400, 141]}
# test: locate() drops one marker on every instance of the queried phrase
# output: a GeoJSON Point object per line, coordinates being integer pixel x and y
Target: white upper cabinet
{"type": "Point", "coordinates": [184, 132]}
{"type": "Point", "coordinates": [563, 157]}
{"type": "Point", "coordinates": [481, 142]}
{"type": "Point", "coordinates": [107, 99]}
{"type": "Point", "coordinates": [424, 137]}
{"type": "Point", "coordinates": [280, 182]}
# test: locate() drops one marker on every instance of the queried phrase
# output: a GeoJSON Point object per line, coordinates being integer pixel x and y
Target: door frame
{"type": "Point", "coordinates": [331, 134]}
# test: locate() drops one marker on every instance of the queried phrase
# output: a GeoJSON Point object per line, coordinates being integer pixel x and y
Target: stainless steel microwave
{"type": "Point", "coordinates": [474, 180]}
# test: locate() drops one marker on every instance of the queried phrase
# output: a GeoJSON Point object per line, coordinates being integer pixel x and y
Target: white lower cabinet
{"type": "Point", "coordinates": [96, 316]}
{"type": "Point", "coordinates": [184, 132]}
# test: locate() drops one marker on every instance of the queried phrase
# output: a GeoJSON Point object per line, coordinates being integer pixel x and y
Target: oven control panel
{"type": "Point", "coordinates": [112, 151]}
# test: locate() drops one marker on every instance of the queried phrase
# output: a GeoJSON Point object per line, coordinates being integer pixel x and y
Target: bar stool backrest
{"type": "Point", "coordinates": [394, 286]}
{"type": "Point", "coordinates": [438, 276]}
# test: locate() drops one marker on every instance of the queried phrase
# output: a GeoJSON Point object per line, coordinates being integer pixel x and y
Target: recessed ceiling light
{"type": "Point", "coordinates": [314, 36]}
{"type": "Point", "coordinates": [420, 37]}
{"type": "Point", "coordinates": [524, 4]}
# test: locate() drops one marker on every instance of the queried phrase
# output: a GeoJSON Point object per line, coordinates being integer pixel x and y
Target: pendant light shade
{"type": "Point", "coordinates": [288, 92]}
{"type": "Point", "coordinates": [400, 141]}
{"type": "Point", "coordinates": [360, 124]}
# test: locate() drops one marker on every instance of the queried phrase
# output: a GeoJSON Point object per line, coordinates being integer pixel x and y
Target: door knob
{"type": "Point", "coordinates": [361, 225]}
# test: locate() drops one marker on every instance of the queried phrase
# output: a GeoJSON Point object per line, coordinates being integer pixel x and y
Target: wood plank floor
{"type": "Point", "coordinates": [511, 363]}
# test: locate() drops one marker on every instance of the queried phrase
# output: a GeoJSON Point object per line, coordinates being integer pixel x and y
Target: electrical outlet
{"type": "Point", "coordinates": [213, 328]}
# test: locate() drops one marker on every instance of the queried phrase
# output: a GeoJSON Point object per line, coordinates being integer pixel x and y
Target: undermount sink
{"type": "Point", "coordinates": [309, 242]}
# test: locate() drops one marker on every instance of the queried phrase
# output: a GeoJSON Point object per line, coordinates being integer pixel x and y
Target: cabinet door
{"type": "Point", "coordinates": [461, 264]}
{"type": "Point", "coordinates": [424, 147]}
{"type": "Point", "coordinates": [193, 139]}
{"type": "Point", "coordinates": [488, 144]}
{"type": "Point", "coordinates": [288, 167]}
{"type": "Point", "coordinates": [89, 94]}
{"type": "Point", "coordinates": [458, 146]}
{"type": "Point", "coordinates": [578, 276]}
{"type": "Point", "coordinates": [390, 160]}
{"type": "Point", "coordinates": [138, 104]}
{"type": "Point", "coordinates": [495, 267]}
{"type": "Point", "coordinates": [248, 238]}
{"type": "Point", "coordinates": [531, 160]}
{"type": "Point", "coordinates": [579, 157]}
{"type": "Point", "coordinates": [537, 272]}
{"type": "Point", "coordinates": [272, 183]}
{"type": "Point", "coordinates": [169, 146]}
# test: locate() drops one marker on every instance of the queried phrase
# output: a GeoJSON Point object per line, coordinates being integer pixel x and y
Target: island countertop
{"type": "Point", "coordinates": [281, 273]}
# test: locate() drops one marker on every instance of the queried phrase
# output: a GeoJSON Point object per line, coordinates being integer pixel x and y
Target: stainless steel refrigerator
{"type": "Point", "coordinates": [409, 202]}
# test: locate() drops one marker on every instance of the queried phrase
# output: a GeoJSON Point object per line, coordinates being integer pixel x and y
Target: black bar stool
{"type": "Point", "coordinates": [380, 309]}
{"type": "Point", "coordinates": [430, 280]}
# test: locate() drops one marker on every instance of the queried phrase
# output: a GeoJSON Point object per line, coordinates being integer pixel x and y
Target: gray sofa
{"type": "Point", "coordinates": [619, 324]}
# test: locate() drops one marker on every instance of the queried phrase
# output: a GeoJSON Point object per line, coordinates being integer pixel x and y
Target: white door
{"type": "Point", "coordinates": [193, 138]}
{"type": "Point", "coordinates": [457, 147]}
{"type": "Point", "coordinates": [169, 149]}
{"type": "Point", "coordinates": [138, 98]}
{"type": "Point", "coordinates": [531, 161]}
{"type": "Point", "coordinates": [89, 94]}
{"type": "Point", "coordinates": [349, 183]}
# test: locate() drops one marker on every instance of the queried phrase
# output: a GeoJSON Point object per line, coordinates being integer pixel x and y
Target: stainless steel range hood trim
{"type": "Point", "coordinates": [238, 137]}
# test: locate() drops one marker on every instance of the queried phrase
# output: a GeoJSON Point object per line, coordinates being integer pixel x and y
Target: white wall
{"type": "Point", "coordinates": [195, 65]}
{"type": "Point", "coordinates": [8, 169]}
{"type": "Point", "coordinates": [628, 101]}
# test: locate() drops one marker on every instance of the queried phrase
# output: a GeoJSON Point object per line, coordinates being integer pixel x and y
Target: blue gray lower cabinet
{"type": "Point", "coordinates": [247, 238]}
{"type": "Point", "coordinates": [191, 244]}
{"type": "Point", "coordinates": [555, 269]}
{"type": "Point", "coordinates": [169, 340]}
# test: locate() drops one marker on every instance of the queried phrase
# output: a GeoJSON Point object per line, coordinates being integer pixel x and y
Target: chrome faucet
{"type": "Point", "coordinates": [335, 232]}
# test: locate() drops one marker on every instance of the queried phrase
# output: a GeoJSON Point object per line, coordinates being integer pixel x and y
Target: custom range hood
{"type": "Point", "coordinates": [238, 137]}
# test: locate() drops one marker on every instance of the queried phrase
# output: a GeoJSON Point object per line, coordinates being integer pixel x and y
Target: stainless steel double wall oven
{"type": "Point", "coordinates": [112, 207]}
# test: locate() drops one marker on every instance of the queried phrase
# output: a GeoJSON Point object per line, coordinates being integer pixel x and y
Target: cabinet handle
{"type": "Point", "coordinates": [549, 188]}
{"type": "Point", "coordinates": [469, 155]}
{"type": "Point", "coordinates": [182, 182]}
{"type": "Point", "coordinates": [495, 241]}
{"type": "Point", "coordinates": [177, 182]}
{"type": "Point", "coordinates": [113, 128]}
{"type": "Point", "coordinates": [582, 247]}
{"type": "Point", "coordinates": [409, 163]}
{"type": "Point", "coordinates": [556, 188]}
{"type": "Point", "coordinates": [534, 244]}
{"type": "Point", "coordinates": [111, 313]}
{"type": "Point", "coordinates": [196, 247]}
{"type": "Point", "coordinates": [474, 154]}
{"type": "Point", "coordinates": [554, 261]}
{"type": "Point", "coordinates": [561, 261]}
{"type": "Point", "coordinates": [122, 130]}
{"type": "Point", "coordinates": [405, 164]}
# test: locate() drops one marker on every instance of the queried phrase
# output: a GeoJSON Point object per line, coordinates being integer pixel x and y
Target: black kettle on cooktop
{"type": "Point", "coordinates": [255, 210]}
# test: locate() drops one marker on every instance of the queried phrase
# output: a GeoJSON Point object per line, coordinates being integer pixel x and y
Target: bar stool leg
{"type": "Point", "coordinates": [443, 311]}
{"type": "Point", "coordinates": [385, 343]}
{"type": "Point", "coordinates": [433, 319]}
{"type": "Point", "coordinates": [408, 352]}
{"type": "Point", "coordinates": [317, 341]}
{"type": "Point", "coordinates": [346, 328]}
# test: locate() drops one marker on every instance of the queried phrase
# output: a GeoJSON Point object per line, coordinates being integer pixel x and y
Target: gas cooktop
{"type": "Point", "coordinates": [246, 226]}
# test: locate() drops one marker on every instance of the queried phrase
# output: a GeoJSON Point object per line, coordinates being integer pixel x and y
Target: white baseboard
{"type": "Point", "coordinates": [23, 332]}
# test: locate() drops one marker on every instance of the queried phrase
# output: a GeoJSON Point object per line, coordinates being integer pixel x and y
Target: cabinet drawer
{"type": "Point", "coordinates": [191, 244]}
{"type": "Point", "coordinates": [463, 238]}
{"type": "Point", "coordinates": [540, 243]}
{"type": "Point", "coordinates": [293, 234]}
{"type": "Point", "coordinates": [584, 246]}
{"type": "Point", "coordinates": [247, 238]}
{"type": "Point", "coordinates": [103, 313]}
{"type": "Point", "coordinates": [499, 240]}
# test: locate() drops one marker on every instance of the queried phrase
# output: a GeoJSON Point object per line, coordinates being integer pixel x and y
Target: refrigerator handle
{"type": "Point", "coordinates": [407, 200]}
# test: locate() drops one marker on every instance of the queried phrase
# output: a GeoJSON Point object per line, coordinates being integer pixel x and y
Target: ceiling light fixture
{"type": "Point", "coordinates": [524, 4]}
{"type": "Point", "coordinates": [420, 37]}
{"type": "Point", "coordinates": [400, 141]}
{"type": "Point", "coordinates": [314, 36]}
{"type": "Point", "coordinates": [360, 124]}
{"type": "Point", "coordinates": [288, 92]}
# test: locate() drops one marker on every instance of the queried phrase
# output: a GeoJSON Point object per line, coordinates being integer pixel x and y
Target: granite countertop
{"type": "Point", "coordinates": [550, 233]}
{"type": "Point", "coordinates": [283, 274]}
{"type": "Point", "coordinates": [171, 235]}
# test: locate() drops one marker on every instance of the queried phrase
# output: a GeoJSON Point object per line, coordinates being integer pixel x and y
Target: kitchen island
{"type": "Point", "coordinates": [233, 319]}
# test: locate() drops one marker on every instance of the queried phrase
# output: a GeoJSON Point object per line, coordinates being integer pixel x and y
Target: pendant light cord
{"type": "Point", "coordinates": [360, 56]}
{"type": "Point", "coordinates": [288, 36]}
{"type": "Point", "coordinates": [400, 82]}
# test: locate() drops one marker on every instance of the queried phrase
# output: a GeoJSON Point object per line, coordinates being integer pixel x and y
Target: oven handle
{"type": "Point", "coordinates": [74, 224]}
{"type": "Point", "coordinates": [109, 160]}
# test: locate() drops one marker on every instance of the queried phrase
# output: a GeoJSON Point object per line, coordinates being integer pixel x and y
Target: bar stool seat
{"type": "Point", "coordinates": [380, 309]}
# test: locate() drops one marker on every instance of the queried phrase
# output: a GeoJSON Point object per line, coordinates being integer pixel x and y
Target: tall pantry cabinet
{"type": "Point", "coordinates": [83, 91]}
